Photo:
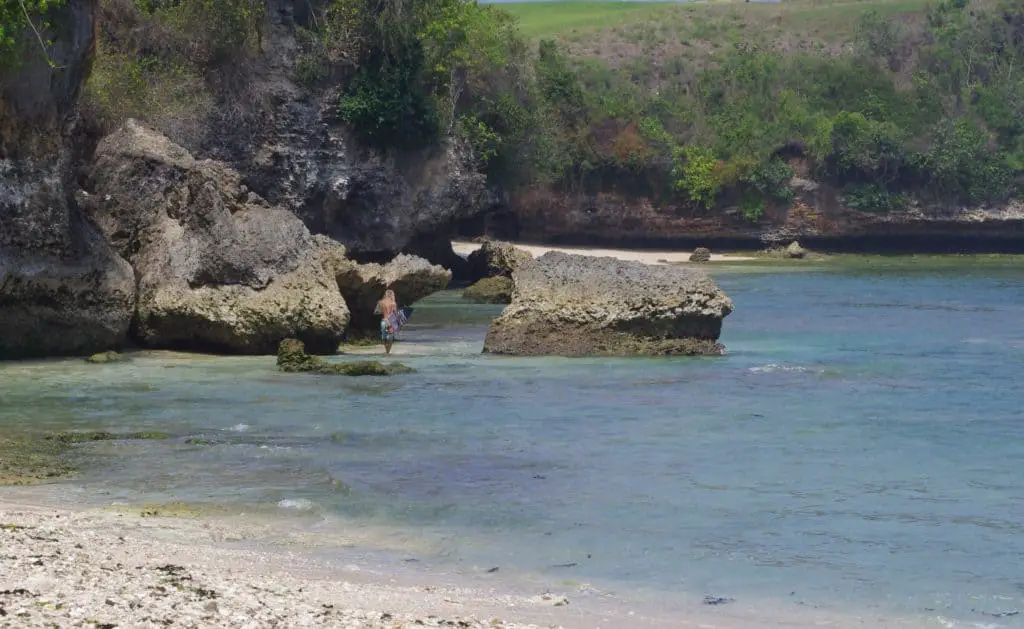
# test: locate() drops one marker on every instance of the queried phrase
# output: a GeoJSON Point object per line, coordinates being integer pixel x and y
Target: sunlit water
{"type": "Point", "coordinates": [861, 447]}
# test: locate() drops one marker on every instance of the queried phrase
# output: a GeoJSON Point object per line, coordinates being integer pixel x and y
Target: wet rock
{"type": "Point", "coordinates": [795, 251]}
{"type": "Point", "coordinates": [218, 268]}
{"type": "Point", "coordinates": [701, 254]}
{"type": "Point", "coordinates": [411, 277]}
{"type": "Point", "coordinates": [490, 290]}
{"type": "Point", "coordinates": [63, 291]}
{"type": "Point", "coordinates": [106, 357]}
{"type": "Point", "coordinates": [717, 600]}
{"type": "Point", "coordinates": [102, 435]}
{"type": "Point", "coordinates": [292, 358]}
{"type": "Point", "coordinates": [573, 305]}
{"type": "Point", "coordinates": [496, 258]}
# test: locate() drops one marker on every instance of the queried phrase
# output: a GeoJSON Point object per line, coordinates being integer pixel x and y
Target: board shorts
{"type": "Point", "coordinates": [387, 333]}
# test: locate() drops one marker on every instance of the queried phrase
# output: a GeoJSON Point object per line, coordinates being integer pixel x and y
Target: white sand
{"type": "Point", "coordinates": [97, 568]}
{"type": "Point", "coordinates": [647, 257]}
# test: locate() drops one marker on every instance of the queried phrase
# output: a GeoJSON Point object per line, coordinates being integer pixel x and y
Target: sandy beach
{"type": "Point", "coordinates": [100, 568]}
{"type": "Point", "coordinates": [647, 257]}
{"type": "Point", "coordinates": [95, 568]}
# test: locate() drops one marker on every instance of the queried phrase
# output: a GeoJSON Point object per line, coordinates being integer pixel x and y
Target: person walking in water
{"type": "Point", "coordinates": [389, 319]}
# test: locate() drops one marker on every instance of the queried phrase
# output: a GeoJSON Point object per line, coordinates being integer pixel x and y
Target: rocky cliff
{"type": "Point", "coordinates": [819, 217]}
{"type": "Point", "coordinates": [62, 288]}
{"type": "Point", "coordinates": [286, 140]}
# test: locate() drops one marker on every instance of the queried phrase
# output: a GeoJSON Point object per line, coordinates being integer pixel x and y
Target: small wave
{"type": "Point", "coordinates": [298, 504]}
{"type": "Point", "coordinates": [241, 427]}
{"type": "Point", "coordinates": [777, 368]}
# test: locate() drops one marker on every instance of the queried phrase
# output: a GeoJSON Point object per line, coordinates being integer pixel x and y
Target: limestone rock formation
{"type": "Point", "coordinates": [62, 289]}
{"type": "Point", "coordinates": [490, 290]}
{"type": "Point", "coordinates": [412, 278]}
{"type": "Point", "coordinates": [572, 305]}
{"type": "Point", "coordinates": [217, 267]}
{"type": "Point", "coordinates": [496, 258]}
{"type": "Point", "coordinates": [293, 149]}
{"type": "Point", "coordinates": [700, 254]}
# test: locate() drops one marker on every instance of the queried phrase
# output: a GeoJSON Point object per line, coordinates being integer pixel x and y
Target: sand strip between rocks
{"type": "Point", "coordinates": [647, 257]}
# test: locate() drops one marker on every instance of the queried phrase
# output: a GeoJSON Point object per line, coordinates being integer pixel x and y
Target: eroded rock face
{"type": "Point", "coordinates": [572, 305]}
{"type": "Point", "coordinates": [300, 155]}
{"type": "Point", "coordinates": [218, 268]}
{"type": "Point", "coordinates": [495, 258]}
{"type": "Point", "coordinates": [63, 291]}
{"type": "Point", "coordinates": [412, 278]}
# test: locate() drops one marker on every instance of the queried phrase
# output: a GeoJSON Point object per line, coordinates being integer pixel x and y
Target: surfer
{"type": "Point", "coordinates": [390, 319]}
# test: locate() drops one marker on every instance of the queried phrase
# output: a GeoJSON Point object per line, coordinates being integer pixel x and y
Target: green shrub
{"type": "Point", "coordinates": [24, 23]}
{"type": "Point", "coordinates": [872, 197]}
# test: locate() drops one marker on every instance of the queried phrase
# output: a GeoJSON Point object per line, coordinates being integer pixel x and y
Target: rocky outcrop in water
{"type": "Point", "coordinates": [572, 305]}
{"type": "Point", "coordinates": [490, 290]}
{"type": "Point", "coordinates": [62, 289]}
{"type": "Point", "coordinates": [217, 267]}
{"type": "Point", "coordinates": [292, 358]}
{"type": "Point", "coordinates": [412, 278]}
{"type": "Point", "coordinates": [495, 258]}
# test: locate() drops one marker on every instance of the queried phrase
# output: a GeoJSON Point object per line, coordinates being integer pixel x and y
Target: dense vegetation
{"type": "Point", "coordinates": [922, 104]}
{"type": "Point", "coordinates": [699, 105]}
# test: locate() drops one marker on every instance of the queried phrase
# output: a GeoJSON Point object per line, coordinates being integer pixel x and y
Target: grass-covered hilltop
{"type": "Point", "coordinates": [609, 121]}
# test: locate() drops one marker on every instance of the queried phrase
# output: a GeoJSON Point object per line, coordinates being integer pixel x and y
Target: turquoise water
{"type": "Point", "coordinates": [860, 447]}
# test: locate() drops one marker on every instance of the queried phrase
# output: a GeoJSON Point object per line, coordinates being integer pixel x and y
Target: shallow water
{"type": "Point", "coordinates": [859, 448]}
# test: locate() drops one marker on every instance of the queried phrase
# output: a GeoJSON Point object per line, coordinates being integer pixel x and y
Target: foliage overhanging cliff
{"type": "Point", "coordinates": [704, 107]}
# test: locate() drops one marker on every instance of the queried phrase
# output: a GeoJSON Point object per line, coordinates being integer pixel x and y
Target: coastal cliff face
{"type": "Point", "coordinates": [286, 139]}
{"type": "Point", "coordinates": [818, 217]}
{"type": "Point", "coordinates": [62, 288]}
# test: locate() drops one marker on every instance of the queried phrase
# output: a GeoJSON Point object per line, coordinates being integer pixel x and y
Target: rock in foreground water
{"type": "Point", "coordinates": [573, 305]}
{"type": "Point", "coordinates": [292, 358]}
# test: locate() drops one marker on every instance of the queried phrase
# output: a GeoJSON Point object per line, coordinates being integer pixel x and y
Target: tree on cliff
{"type": "Point", "coordinates": [17, 18]}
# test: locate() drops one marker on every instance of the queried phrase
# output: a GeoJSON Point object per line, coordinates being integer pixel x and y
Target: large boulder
{"type": "Point", "coordinates": [701, 254]}
{"type": "Point", "coordinates": [217, 267]}
{"type": "Point", "coordinates": [495, 258]}
{"type": "Point", "coordinates": [572, 305]}
{"type": "Point", "coordinates": [62, 289]}
{"type": "Point", "coordinates": [795, 251]}
{"type": "Point", "coordinates": [411, 277]}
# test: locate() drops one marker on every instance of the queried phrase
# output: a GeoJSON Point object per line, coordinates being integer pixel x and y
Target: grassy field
{"type": "Point", "coordinates": [620, 31]}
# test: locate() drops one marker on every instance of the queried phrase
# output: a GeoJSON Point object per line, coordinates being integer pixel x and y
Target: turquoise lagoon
{"type": "Point", "coordinates": [860, 449]}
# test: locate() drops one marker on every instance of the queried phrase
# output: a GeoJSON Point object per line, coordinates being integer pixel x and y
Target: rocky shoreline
{"type": "Point", "coordinates": [99, 569]}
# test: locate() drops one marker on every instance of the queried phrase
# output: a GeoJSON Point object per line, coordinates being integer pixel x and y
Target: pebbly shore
{"type": "Point", "coordinates": [96, 569]}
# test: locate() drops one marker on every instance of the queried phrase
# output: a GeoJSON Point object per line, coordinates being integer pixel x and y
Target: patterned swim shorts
{"type": "Point", "coordinates": [386, 332]}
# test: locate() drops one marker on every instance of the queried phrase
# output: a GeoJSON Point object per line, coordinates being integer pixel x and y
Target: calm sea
{"type": "Point", "coordinates": [861, 447]}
